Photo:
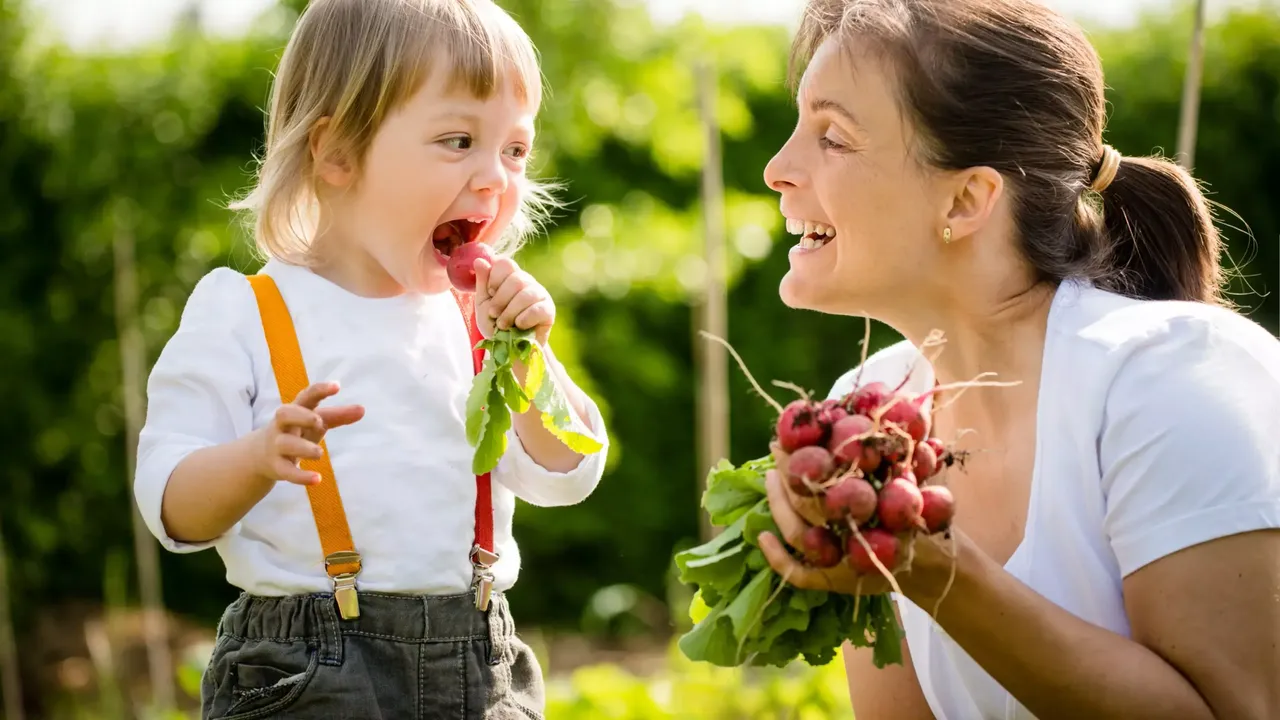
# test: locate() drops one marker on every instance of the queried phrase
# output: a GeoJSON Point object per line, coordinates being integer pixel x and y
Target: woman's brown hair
{"type": "Point", "coordinates": [1013, 85]}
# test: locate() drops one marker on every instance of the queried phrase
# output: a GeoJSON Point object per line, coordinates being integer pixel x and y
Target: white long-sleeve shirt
{"type": "Point", "coordinates": [403, 470]}
{"type": "Point", "coordinates": [1156, 431]}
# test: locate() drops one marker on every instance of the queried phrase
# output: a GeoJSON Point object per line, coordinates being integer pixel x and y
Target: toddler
{"type": "Point", "coordinates": [308, 421]}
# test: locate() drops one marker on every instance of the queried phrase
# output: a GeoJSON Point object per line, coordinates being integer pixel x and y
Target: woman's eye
{"type": "Point", "coordinates": [461, 142]}
{"type": "Point", "coordinates": [828, 144]}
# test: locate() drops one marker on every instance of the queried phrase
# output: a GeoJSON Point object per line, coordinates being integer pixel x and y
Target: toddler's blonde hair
{"type": "Point", "coordinates": [355, 61]}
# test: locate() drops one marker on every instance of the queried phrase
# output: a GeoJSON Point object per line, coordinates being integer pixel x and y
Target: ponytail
{"type": "Point", "coordinates": [1160, 241]}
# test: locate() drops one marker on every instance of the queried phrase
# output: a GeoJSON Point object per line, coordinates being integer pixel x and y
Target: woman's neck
{"type": "Point", "coordinates": [999, 336]}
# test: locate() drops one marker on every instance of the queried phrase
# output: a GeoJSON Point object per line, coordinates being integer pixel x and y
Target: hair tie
{"type": "Point", "coordinates": [1107, 168]}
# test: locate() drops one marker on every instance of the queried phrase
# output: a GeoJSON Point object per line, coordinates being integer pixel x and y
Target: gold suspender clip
{"type": "Point", "coordinates": [344, 584]}
{"type": "Point", "coordinates": [482, 579]}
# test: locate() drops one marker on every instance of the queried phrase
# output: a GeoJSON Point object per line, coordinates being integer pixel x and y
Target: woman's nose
{"type": "Point", "coordinates": [780, 174]}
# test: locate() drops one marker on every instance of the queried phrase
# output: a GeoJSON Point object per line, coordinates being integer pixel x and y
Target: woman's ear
{"type": "Point", "coordinates": [331, 166]}
{"type": "Point", "coordinates": [975, 193]}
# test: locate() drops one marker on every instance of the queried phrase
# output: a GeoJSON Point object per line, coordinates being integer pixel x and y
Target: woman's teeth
{"type": "Point", "coordinates": [812, 235]}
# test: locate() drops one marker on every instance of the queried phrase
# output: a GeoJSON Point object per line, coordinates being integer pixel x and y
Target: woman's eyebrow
{"type": "Point", "coordinates": [820, 104]}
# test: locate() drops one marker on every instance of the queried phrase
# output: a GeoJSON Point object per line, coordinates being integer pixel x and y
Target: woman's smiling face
{"type": "Point", "coordinates": [870, 215]}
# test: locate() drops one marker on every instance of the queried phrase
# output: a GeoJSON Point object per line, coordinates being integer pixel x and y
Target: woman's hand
{"type": "Point", "coordinates": [507, 296]}
{"type": "Point", "coordinates": [919, 564]}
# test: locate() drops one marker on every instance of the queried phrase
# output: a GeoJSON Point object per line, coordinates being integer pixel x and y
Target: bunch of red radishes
{"type": "Point", "coordinates": [866, 472]}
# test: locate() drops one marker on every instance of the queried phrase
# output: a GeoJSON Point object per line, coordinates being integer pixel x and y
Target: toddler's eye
{"type": "Point", "coordinates": [460, 142]}
{"type": "Point", "coordinates": [519, 152]}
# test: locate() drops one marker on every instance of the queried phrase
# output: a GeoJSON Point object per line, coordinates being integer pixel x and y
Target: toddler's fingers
{"type": "Point", "coordinates": [501, 269]}
{"type": "Point", "coordinates": [333, 417]}
{"type": "Point", "coordinates": [288, 472]}
{"type": "Point", "coordinates": [523, 300]}
{"type": "Point", "coordinates": [295, 419]}
{"type": "Point", "coordinates": [292, 447]}
{"type": "Point", "coordinates": [540, 313]}
{"type": "Point", "coordinates": [312, 395]}
{"type": "Point", "coordinates": [503, 294]}
{"type": "Point", "coordinates": [482, 268]}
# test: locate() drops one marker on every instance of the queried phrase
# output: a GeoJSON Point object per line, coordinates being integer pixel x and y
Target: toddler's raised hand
{"type": "Point", "coordinates": [507, 296]}
{"type": "Point", "coordinates": [295, 431]}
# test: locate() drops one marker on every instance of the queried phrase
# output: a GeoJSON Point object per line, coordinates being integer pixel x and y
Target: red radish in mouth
{"type": "Point", "coordinates": [461, 267]}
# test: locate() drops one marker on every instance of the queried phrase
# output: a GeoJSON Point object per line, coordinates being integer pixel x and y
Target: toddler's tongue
{"type": "Point", "coordinates": [447, 238]}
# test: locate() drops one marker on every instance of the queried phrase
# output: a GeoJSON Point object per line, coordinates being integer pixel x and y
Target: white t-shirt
{"type": "Point", "coordinates": [1157, 430]}
{"type": "Point", "coordinates": [403, 470]}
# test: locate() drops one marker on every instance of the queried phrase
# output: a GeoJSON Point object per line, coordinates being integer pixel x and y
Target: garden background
{"type": "Point", "coordinates": [149, 143]}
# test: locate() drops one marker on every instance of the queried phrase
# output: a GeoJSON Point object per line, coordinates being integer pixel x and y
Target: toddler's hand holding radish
{"type": "Point", "coordinates": [295, 432]}
{"type": "Point", "coordinates": [514, 313]}
{"type": "Point", "coordinates": [509, 297]}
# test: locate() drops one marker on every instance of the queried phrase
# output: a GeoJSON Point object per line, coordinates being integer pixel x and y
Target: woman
{"type": "Point", "coordinates": [1117, 552]}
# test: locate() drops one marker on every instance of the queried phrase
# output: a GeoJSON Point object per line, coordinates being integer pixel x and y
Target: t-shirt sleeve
{"type": "Point", "coordinates": [199, 392]}
{"type": "Point", "coordinates": [1189, 449]}
{"type": "Point", "coordinates": [899, 364]}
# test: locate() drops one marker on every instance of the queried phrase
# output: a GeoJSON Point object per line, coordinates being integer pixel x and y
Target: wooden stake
{"type": "Point", "coordinates": [713, 404]}
{"type": "Point", "coordinates": [133, 370]}
{"type": "Point", "coordinates": [10, 678]}
{"type": "Point", "coordinates": [1189, 117]}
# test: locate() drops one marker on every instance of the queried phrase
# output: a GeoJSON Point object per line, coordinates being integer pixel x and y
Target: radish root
{"type": "Point", "coordinates": [866, 348]}
{"type": "Point", "coordinates": [893, 582]}
{"type": "Point", "coordinates": [768, 398]}
{"type": "Point", "coordinates": [804, 394]}
{"type": "Point", "coordinates": [951, 578]}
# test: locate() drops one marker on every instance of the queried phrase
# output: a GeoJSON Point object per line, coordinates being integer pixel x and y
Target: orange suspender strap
{"type": "Point", "coordinates": [342, 562]}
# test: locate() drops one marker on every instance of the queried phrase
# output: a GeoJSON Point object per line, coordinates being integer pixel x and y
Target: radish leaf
{"type": "Point", "coordinates": [743, 617]}
{"type": "Point", "coordinates": [496, 393]}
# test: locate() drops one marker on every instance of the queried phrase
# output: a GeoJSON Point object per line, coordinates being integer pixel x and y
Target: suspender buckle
{"type": "Point", "coordinates": [482, 579]}
{"type": "Point", "coordinates": [344, 584]}
{"type": "Point", "coordinates": [483, 588]}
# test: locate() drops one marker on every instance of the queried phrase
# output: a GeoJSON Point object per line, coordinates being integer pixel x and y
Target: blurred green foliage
{"type": "Point", "coordinates": [684, 690]}
{"type": "Point", "coordinates": [152, 142]}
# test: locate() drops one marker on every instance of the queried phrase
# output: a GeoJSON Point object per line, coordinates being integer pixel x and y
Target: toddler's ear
{"type": "Point", "coordinates": [331, 165]}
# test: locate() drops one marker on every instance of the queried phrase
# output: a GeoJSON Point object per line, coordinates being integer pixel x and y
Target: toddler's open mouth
{"type": "Point", "coordinates": [452, 234]}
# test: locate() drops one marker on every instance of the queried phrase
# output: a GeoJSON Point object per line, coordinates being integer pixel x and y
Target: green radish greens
{"type": "Point", "coordinates": [867, 476]}
{"type": "Point", "coordinates": [745, 614]}
{"type": "Point", "coordinates": [496, 393]}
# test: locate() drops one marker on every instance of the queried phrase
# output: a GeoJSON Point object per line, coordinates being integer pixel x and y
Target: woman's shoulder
{"type": "Point", "coordinates": [898, 364]}
{"type": "Point", "coordinates": [1140, 339]}
{"type": "Point", "coordinates": [1186, 401]}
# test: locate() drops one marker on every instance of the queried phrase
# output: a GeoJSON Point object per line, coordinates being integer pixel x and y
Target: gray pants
{"type": "Point", "coordinates": [405, 657]}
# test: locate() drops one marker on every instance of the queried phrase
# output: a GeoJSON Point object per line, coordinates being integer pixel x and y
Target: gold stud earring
{"type": "Point", "coordinates": [946, 235]}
